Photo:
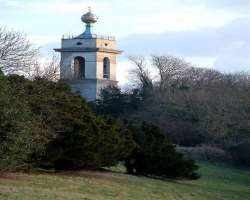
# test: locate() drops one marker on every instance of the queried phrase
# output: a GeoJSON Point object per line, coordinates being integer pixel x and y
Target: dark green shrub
{"type": "Point", "coordinates": [111, 102]}
{"type": "Point", "coordinates": [156, 155]}
{"type": "Point", "coordinates": [240, 153]}
{"type": "Point", "coordinates": [46, 125]}
{"type": "Point", "coordinates": [115, 103]}
{"type": "Point", "coordinates": [22, 136]}
{"type": "Point", "coordinates": [101, 143]}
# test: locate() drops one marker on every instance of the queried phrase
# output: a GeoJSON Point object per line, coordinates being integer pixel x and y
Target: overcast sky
{"type": "Point", "coordinates": [209, 33]}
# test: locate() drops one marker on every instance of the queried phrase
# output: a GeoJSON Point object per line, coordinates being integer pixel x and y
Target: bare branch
{"type": "Point", "coordinates": [49, 70]}
{"type": "Point", "coordinates": [17, 54]}
{"type": "Point", "coordinates": [170, 69]}
{"type": "Point", "coordinates": [140, 73]}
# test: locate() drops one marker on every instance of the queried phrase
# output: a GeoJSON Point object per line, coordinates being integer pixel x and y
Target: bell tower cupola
{"type": "Point", "coordinates": [88, 61]}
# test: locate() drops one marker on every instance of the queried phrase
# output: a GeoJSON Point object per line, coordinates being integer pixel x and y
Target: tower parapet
{"type": "Point", "coordinates": [93, 36]}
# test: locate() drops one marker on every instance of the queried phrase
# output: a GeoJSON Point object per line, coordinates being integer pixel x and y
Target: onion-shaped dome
{"type": "Point", "coordinates": [89, 17]}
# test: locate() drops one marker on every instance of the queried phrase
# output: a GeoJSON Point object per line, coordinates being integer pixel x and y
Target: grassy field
{"type": "Point", "coordinates": [216, 183]}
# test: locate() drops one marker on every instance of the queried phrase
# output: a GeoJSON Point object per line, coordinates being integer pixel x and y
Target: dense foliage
{"type": "Point", "coordinates": [240, 153]}
{"type": "Point", "coordinates": [156, 155]}
{"type": "Point", "coordinates": [115, 103]}
{"type": "Point", "coordinates": [43, 124]}
{"type": "Point", "coordinates": [194, 106]}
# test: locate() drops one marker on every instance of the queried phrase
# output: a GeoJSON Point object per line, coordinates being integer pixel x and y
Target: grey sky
{"type": "Point", "coordinates": [211, 33]}
{"type": "Point", "coordinates": [229, 42]}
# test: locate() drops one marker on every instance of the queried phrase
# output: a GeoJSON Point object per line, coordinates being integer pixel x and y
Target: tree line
{"type": "Point", "coordinates": [195, 106]}
{"type": "Point", "coordinates": [44, 125]}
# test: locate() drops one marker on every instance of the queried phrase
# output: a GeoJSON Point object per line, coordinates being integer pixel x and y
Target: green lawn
{"type": "Point", "coordinates": [216, 183]}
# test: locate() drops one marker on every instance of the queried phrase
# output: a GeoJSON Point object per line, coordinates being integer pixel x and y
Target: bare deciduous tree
{"type": "Point", "coordinates": [170, 69]}
{"type": "Point", "coordinates": [141, 73]}
{"type": "Point", "coordinates": [187, 100]}
{"type": "Point", "coordinates": [50, 70]}
{"type": "Point", "coordinates": [17, 54]}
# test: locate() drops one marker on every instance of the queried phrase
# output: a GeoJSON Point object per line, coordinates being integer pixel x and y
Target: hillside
{"type": "Point", "coordinates": [216, 183]}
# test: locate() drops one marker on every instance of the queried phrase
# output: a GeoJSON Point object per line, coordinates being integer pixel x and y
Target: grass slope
{"type": "Point", "coordinates": [216, 183]}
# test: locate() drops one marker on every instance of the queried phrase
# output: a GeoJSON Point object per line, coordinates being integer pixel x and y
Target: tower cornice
{"type": "Point", "coordinates": [114, 51]}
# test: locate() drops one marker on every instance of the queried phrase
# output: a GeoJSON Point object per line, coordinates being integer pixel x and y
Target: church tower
{"type": "Point", "coordinates": [88, 61]}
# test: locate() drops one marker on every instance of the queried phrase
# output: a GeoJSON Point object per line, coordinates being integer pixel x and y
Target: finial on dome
{"type": "Point", "coordinates": [89, 17]}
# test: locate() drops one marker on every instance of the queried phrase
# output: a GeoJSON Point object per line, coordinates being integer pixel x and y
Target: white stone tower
{"type": "Point", "coordinates": [88, 61]}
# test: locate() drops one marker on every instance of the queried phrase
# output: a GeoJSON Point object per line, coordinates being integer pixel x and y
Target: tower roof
{"type": "Point", "coordinates": [89, 19]}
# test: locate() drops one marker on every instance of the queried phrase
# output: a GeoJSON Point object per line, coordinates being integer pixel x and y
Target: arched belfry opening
{"type": "Point", "coordinates": [106, 68]}
{"type": "Point", "coordinates": [79, 67]}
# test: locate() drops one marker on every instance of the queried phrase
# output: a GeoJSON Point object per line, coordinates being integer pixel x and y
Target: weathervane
{"type": "Point", "coordinates": [89, 9]}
